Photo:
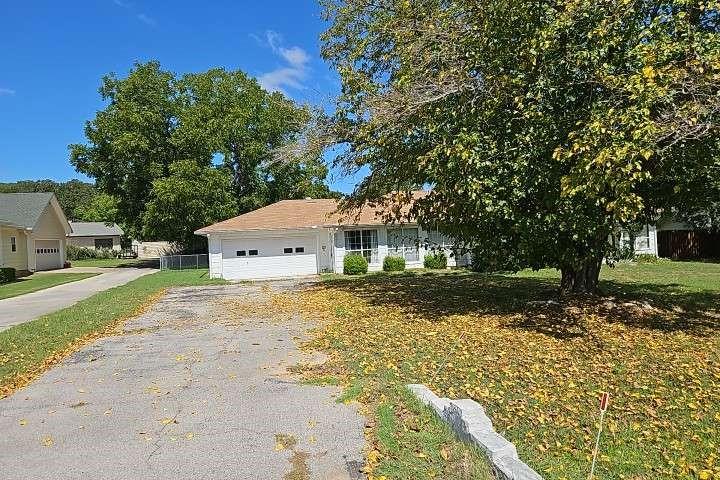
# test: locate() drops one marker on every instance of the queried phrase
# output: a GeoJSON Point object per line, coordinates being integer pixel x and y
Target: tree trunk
{"type": "Point", "coordinates": [580, 278]}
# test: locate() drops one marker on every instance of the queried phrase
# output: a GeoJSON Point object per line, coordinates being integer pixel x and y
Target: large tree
{"type": "Point", "coordinates": [191, 197]}
{"type": "Point", "coordinates": [541, 126]}
{"type": "Point", "coordinates": [154, 119]}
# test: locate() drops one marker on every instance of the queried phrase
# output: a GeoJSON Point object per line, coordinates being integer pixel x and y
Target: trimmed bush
{"type": "Point", "coordinates": [354, 264]}
{"type": "Point", "coordinates": [646, 258]}
{"type": "Point", "coordinates": [7, 275]}
{"type": "Point", "coordinates": [435, 260]}
{"type": "Point", "coordinates": [394, 264]}
{"type": "Point", "coordinates": [84, 253]}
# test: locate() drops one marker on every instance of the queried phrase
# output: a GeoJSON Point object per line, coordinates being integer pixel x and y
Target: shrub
{"type": "Point", "coordinates": [435, 260]}
{"type": "Point", "coordinates": [354, 264]}
{"type": "Point", "coordinates": [7, 275]}
{"type": "Point", "coordinates": [83, 253]}
{"type": "Point", "coordinates": [646, 258]}
{"type": "Point", "coordinates": [394, 264]}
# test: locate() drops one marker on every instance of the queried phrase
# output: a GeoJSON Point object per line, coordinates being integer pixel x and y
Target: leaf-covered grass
{"type": "Point", "coordinates": [30, 348]}
{"type": "Point", "coordinates": [538, 363]}
{"type": "Point", "coordinates": [39, 281]}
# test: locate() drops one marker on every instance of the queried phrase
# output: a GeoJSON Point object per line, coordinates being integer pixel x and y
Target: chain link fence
{"type": "Point", "coordinates": [184, 262]}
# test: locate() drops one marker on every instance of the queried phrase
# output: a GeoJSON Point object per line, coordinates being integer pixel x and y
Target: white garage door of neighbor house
{"type": "Point", "coordinates": [247, 259]}
{"type": "Point", "coordinates": [47, 254]}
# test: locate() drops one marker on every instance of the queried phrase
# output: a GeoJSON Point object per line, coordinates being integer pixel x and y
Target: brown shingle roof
{"type": "Point", "coordinates": [298, 215]}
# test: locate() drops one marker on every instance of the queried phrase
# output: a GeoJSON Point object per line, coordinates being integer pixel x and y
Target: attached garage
{"type": "Point", "coordinates": [269, 257]}
{"type": "Point", "coordinates": [48, 255]}
{"type": "Point", "coordinates": [290, 238]}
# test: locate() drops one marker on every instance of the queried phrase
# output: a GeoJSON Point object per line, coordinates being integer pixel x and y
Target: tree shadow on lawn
{"type": "Point", "coordinates": [534, 303]}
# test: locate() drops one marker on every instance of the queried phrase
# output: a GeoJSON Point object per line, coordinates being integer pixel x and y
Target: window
{"type": "Point", "coordinates": [299, 249]}
{"type": "Point", "coordinates": [240, 253]}
{"type": "Point", "coordinates": [253, 253]}
{"type": "Point", "coordinates": [287, 250]}
{"type": "Point", "coordinates": [101, 243]}
{"type": "Point", "coordinates": [403, 242]}
{"type": "Point", "coordinates": [362, 242]}
{"type": "Point", "coordinates": [439, 240]}
{"type": "Point", "coordinates": [13, 244]}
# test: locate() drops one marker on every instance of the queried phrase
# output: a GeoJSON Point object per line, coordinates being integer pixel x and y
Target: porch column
{"type": "Point", "coordinates": [30, 243]}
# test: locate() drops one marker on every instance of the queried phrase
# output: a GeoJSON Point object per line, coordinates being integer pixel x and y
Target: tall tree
{"type": "Point", "coordinates": [231, 114]}
{"type": "Point", "coordinates": [191, 197]}
{"type": "Point", "coordinates": [542, 127]}
{"type": "Point", "coordinates": [154, 118]}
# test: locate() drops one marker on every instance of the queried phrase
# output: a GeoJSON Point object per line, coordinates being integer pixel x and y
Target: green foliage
{"type": "Point", "coordinates": [393, 264]}
{"type": "Point", "coordinates": [542, 128]}
{"type": "Point", "coordinates": [73, 252]}
{"type": "Point", "coordinates": [354, 264]}
{"type": "Point", "coordinates": [7, 275]}
{"type": "Point", "coordinates": [154, 119]}
{"type": "Point", "coordinates": [192, 197]}
{"type": "Point", "coordinates": [72, 195]}
{"type": "Point", "coordinates": [102, 208]}
{"type": "Point", "coordinates": [435, 260]}
{"type": "Point", "coordinates": [646, 258]}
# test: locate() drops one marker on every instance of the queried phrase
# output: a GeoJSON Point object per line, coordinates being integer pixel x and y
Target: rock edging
{"type": "Point", "coordinates": [468, 420]}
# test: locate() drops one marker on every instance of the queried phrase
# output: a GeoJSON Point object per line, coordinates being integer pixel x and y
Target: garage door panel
{"type": "Point", "coordinates": [47, 255]}
{"type": "Point", "coordinates": [270, 261]}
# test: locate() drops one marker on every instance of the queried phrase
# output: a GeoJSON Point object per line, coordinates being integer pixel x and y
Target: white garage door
{"type": "Point", "coordinates": [247, 258]}
{"type": "Point", "coordinates": [47, 254]}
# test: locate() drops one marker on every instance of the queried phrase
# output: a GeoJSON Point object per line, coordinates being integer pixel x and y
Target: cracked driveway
{"type": "Point", "coordinates": [189, 390]}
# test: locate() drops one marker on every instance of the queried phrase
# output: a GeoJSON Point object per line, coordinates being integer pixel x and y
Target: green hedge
{"type": "Point", "coordinates": [354, 264]}
{"type": "Point", "coordinates": [394, 264]}
{"type": "Point", "coordinates": [436, 260]}
{"type": "Point", "coordinates": [84, 253]}
{"type": "Point", "coordinates": [646, 258]}
{"type": "Point", "coordinates": [7, 275]}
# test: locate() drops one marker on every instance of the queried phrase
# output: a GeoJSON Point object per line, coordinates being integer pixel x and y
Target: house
{"type": "Point", "coordinates": [33, 228]}
{"type": "Point", "coordinates": [96, 235]}
{"type": "Point", "coordinates": [646, 240]}
{"type": "Point", "coordinates": [306, 237]}
{"type": "Point", "coordinates": [680, 241]}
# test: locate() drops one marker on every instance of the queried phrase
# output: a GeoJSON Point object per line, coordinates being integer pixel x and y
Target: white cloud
{"type": "Point", "coordinates": [291, 75]}
{"type": "Point", "coordinates": [146, 20]}
{"type": "Point", "coordinates": [143, 17]}
{"type": "Point", "coordinates": [7, 91]}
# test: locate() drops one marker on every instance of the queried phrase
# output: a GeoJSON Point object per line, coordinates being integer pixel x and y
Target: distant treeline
{"type": "Point", "coordinates": [74, 196]}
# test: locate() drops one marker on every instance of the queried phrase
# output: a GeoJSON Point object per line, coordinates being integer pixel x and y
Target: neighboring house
{"type": "Point", "coordinates": [306, 237]}
{"type": "Point", "coordinates": [96, 235]}
{"type": "Point", "coordinates": [646, 240]}
{"type": "Point", "coordinates": [679, 240]}
{"type": "Point", "coordinates": [33, 228]}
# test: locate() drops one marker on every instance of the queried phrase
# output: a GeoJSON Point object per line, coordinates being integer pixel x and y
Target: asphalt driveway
{"type": "Point", "coordinates": [23, 308]}
{"type": "Point", "coordinates": [191, 389]}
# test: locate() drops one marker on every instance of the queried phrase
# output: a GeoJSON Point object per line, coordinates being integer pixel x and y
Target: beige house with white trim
{"type": "Point", "coordinates": [33, 229]}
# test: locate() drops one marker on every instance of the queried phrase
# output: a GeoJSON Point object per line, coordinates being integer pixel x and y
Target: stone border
{"type": "Point", "coordinates": [468, 420]}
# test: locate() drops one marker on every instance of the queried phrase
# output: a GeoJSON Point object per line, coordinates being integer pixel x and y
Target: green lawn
{"type": "Point", "coordinates": [111, 262]}
{"type": "Point", "coordinates": [39, 281]}
{"type": "Point", "coordinates": [29, 348]}
{"type": "Point", "coordinates": [538, 363]}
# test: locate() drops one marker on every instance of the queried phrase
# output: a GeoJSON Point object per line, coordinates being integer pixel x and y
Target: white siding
{"type": "Point", "coordinates": [89, 242]}
{"type": "Point", "coordinates": [18, 258]}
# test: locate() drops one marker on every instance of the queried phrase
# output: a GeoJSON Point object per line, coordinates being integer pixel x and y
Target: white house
{"type": "Point", "coordinates": [32, 232]}
{"type": "Point", "coordinates": [646, 240]}
{"type": "Point", "coordinates": [96, 235]}
{"type": "Point", "coordinates": [306, 237]}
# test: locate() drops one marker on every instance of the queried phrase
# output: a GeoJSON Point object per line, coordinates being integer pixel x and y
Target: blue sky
{"type": "Point", "coordinates": [53, 55]}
